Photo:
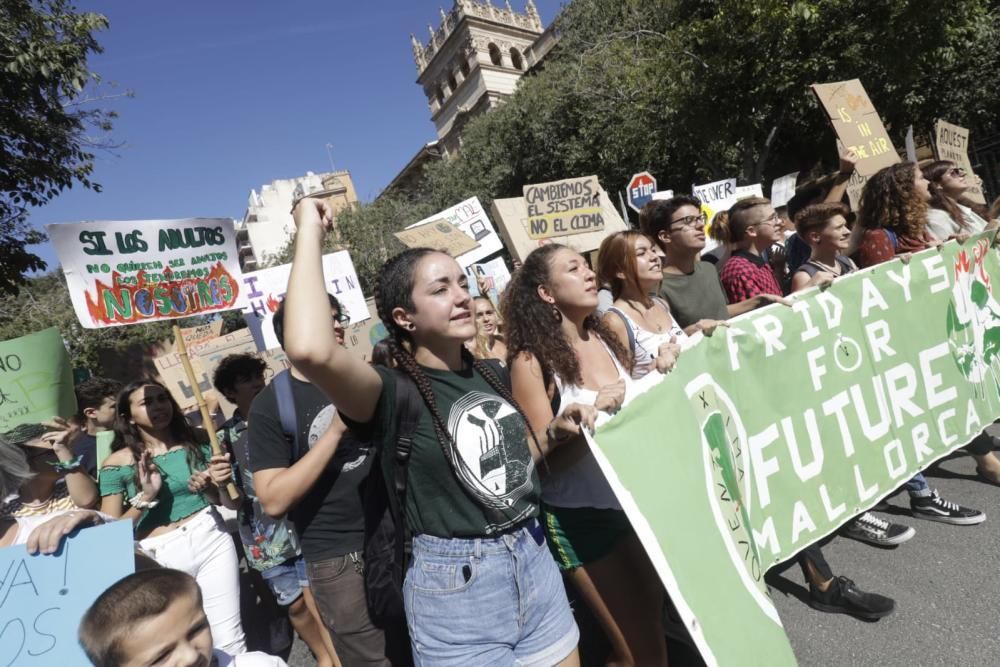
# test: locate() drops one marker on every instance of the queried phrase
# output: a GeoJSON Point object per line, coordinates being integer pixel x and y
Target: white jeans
{"type": "Point", "coordinates": [202, 548]}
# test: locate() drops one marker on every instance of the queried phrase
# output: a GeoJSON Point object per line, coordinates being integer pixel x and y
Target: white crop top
{"type": "Point", "coordinates": [583, 484]}
{"type": "Point", "coordinates": [647, 344]}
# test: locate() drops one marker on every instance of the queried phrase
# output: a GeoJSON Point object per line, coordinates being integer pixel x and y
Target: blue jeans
{"type": "Point", "coordinates": [287, 580]}
{"type": "Point", "coordinates": [917, 484]}
{"type": "Point", "coordinates": [487, 601]}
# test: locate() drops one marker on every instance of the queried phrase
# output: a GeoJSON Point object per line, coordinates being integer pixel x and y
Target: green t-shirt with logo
{"type": "Point", "coordinates": [491, 483]}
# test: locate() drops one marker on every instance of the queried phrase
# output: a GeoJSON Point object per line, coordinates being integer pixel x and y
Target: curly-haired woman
{"type": "Point", "coordinates": [561, 353]}
{"type": "Point", "coordinates": [481, 587]}
{"type": "Point", "coordinates": [162, 476]}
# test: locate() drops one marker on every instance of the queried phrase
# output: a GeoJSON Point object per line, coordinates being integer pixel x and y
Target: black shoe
{"type": "Point", "coordinates": [873, 530]}
{"type": "Point", "coordinates": [844, 597]}
{"type": "Point", "coordinates": [936, 508]}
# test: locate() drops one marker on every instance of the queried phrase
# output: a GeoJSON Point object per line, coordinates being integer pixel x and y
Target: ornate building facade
{"type": "Point", "coordinates": [469, 65]}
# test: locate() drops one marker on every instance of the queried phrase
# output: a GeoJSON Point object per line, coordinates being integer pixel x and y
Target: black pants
{"type": "Point", "coordinates": [814, 555]}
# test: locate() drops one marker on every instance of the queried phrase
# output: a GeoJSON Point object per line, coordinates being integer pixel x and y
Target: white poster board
{"type": "Point", "coordinates": [266, 288]}
{"type": "Point", "coordinates": [470, 217]}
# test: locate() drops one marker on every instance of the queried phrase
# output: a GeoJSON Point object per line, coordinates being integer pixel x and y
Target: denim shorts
{"type": "Point", "coordinates": [287, 580]}
{"type": "Point", "coordinates": [487, 601]}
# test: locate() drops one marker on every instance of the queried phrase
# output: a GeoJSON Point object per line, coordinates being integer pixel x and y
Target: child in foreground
{"type": "Point", "coordinates": [155, 617]}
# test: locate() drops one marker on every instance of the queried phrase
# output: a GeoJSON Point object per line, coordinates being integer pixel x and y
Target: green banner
{"type": "Point", "coordinates": [36, 380]}
{"type": "Point", "coordinates": [772, 433]}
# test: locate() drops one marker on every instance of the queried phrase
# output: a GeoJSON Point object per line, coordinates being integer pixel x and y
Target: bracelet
{"type": "Point", "coordinates": [67, 466]}
{"type": "Point", "coordinates": [137, 502]}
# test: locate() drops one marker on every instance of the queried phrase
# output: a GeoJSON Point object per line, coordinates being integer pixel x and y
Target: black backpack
{"type": "Point", "coordinates": [387, 539]}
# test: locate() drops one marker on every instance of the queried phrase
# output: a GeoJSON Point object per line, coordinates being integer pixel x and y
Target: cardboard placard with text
{"type": "Point", "coordinates": [952, 143]}
{"type": "Point", "coordinates": [470, 217]}
{"type": "Point", "coordinates": [195, 337]}
{"type": "Point", "coordinates": [857, 124]}
{"type": "Point", "coordinates": [563, 208]}
{"type": "Point", "coordinates": [440, 235]}
{"type": "Point", "coordinates": [36, 380]}
{"type": "Point", "coordinates": [360, 338]}
{"type": "Point", "coordinates": [203, 361]}
{"type": "Point", "coordinates": [511, 217]}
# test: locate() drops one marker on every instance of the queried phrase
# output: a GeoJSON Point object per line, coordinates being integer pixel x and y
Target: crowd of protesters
{"type": "Point", "coordinates": [467, 425]}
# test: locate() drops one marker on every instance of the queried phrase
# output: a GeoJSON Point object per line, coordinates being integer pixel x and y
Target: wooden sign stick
{"type": "Point", "coordinates": [206, 418]}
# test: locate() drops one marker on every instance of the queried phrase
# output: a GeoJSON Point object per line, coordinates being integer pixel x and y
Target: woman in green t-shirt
{"type": "Point", "coordinates": [160, 477]}
{"type": "Point", "coordinates": [481, 587]}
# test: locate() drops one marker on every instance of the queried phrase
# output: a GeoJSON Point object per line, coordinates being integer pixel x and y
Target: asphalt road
{"type": "Point", "coordinates": [944, 580]}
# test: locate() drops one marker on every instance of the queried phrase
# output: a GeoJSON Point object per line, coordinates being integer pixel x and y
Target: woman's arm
{"type": "Point", "coordinates": [82, 489]}
{"type": "Point", "coordinates": [615, 322]}
{"type": "Point", "coordinates": [352, 385]}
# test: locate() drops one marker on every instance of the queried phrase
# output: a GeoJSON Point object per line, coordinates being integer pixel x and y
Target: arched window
{"type": "Point", "coordinates": [515, 59]}
{"type": "Point", "coordinates": [451, 82]}
{"type": "Point", "coordinates": [495, 56]}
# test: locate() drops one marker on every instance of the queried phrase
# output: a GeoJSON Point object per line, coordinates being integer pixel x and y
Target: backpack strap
{"type": "Point", "coordinates": [628, 329]}
{"type": "Point", "coordinates": [409, 405]}
{"type": "Point", "coordinates": [286, 410]}
{"type": "Point", "coordinates": [893, 239]}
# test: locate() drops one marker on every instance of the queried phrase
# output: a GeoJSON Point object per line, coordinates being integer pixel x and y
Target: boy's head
{"type": "Point", "coordinates": [95, 402]}
{"type": "Point", "coordinates": [752, 221]}
{"type": "Point", "coordinates": [676, 223]}
{"type": "Point", "coordinates": [340, 320]}
{"type": "Point", "coordinates": [239, 377]}
{"type": "Point", "coordinates": [150, 617]}
{"type": "Point", "coordinates": [824, 226]}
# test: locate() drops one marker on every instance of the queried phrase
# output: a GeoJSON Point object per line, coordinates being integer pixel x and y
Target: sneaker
{"type": "Point", "coordinates": [844, 597]}
{"type": "Point", "coordinates": [873, 530]}
{"type": "Point", "coordinates": [936, 508]}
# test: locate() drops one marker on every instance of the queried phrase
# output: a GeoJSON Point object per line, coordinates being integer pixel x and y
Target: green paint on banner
{"type": "Point", "coordinates": [774, 432]}
{"type": "Point", "coordinates": [36, 380]}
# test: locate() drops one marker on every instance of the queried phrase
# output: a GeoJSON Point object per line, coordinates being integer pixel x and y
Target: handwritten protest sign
{"type": "Point", "coordinates": [43, 597]}
{"type": "Point", "coordinates": [266, 288]}
{"type": "Point", "coordinates": [494, 274]}
{"type": "Point", "coordinates": [663, 194]}
{"type": "Point", "coordinates": [470, 217]}
{"type": "Point", "coordinates": [783, 189]}
{"type": "Point", "coordinates": [952, 143]}
{"type": "Point", "coordinates": [36, 380]}
{"type": "Point", "coordinates": [141, 271]}
{"type": "Point", "coordinates": [562, 208]}
{"type": "Point", "coordinates": [511, 216]}
{"type": "Point", "coordinates": [194, 337]}
{"type": "Point", "coordinates": [172, 373]}
{"type": "Point", "coordinates": [857, 124]}
{"type": "Point", "coordinates": [360, 338]}
{"type": "Point", "coordinates": [744, 191]}
{"type": "Point", "coordinates": [440, 235]}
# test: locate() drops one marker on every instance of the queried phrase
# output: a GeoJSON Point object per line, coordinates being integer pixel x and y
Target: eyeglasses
{"type": "Point", "coordinates": [689, 221]}
{"type": "Point", "coordinates": [771, 219]}
{"type": "Point", "coordinates": [957, 171]}
{"type": "Point", "coordinates": [342, 318]}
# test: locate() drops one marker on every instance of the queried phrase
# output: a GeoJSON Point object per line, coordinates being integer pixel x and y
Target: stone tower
{"type": "Point", "coordinates": [473, 61]}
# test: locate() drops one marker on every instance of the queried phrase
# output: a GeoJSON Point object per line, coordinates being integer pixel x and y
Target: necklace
{"type": "Point", "coordinates": [834, 269]}
{"type": "Point", "coordinates": [643, 316]}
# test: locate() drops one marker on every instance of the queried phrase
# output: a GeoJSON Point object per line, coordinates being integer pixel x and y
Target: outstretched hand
{"type": "Point", "coordinates": [150, 478]}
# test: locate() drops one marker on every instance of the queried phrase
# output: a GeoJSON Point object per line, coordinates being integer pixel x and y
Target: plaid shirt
{"type": "Point", "coordinates": [746, 275]}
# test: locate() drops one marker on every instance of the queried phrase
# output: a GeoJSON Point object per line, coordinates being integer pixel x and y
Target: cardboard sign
{"type": "Point", "coordinates": [43, 597]}
{"type": "Point", "coordinates": [745, 191]}
{"type": "Point", "coordinates": [439, 235]}
{"type": "Point", "coordinates": [783, 189]}
{"type": "Point", "coordinates": [470, 217]}
{"type": "Point", "coordinates": [857, 124]}
{"type": "Point", "coordinates": [195, 337]}
{"type": "Point", "coordinates": [563, 208]}
{"type": "Point", "coordinates": [266, 288]}
{"type": "Point", "coordinates": [952, 143]}
{"type": "Point", "coordinates": [511, 216]}
{"type": "Point", "coordinates": [202, 362]}
{"type": "Point", "coordinates": [36, 380]}
{"type": "Point", "coordinates": [494, 275]}
{"type": "Point", "coordinates": [359, 339]}
{"type": "Point", "coordinates": [147, 270]}
{"type": "Point", "coordinates": [715, 191]}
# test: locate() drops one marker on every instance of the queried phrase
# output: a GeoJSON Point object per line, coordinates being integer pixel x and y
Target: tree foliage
{"type": "Point", "coordinates": [698, 90]}
{"type": "Point", "coordinates": [48, 124]}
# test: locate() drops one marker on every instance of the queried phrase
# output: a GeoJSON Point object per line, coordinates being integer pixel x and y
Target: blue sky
{"type": "Point", "coordinates": [231, 95]}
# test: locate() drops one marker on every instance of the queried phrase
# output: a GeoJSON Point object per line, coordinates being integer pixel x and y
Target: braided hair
{"type": "Point", "coordinates": [127, 434]}
{"type": "Point", "coordinates": [394, 289]}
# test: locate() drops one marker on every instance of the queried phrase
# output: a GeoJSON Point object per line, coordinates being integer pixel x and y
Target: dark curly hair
{"type": "Point", "coordinates": [533, 326]}
{"type": "Point", "coordinates": [890, 201]}
{"type": "Point", "coordinates": [236, 367]}
{"type": "Point", "coordinates": [394, 289]}
{"type": "Point", "coordinates": [91, 393]}
{"type": "Point", "coordinates": [127, 434]}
